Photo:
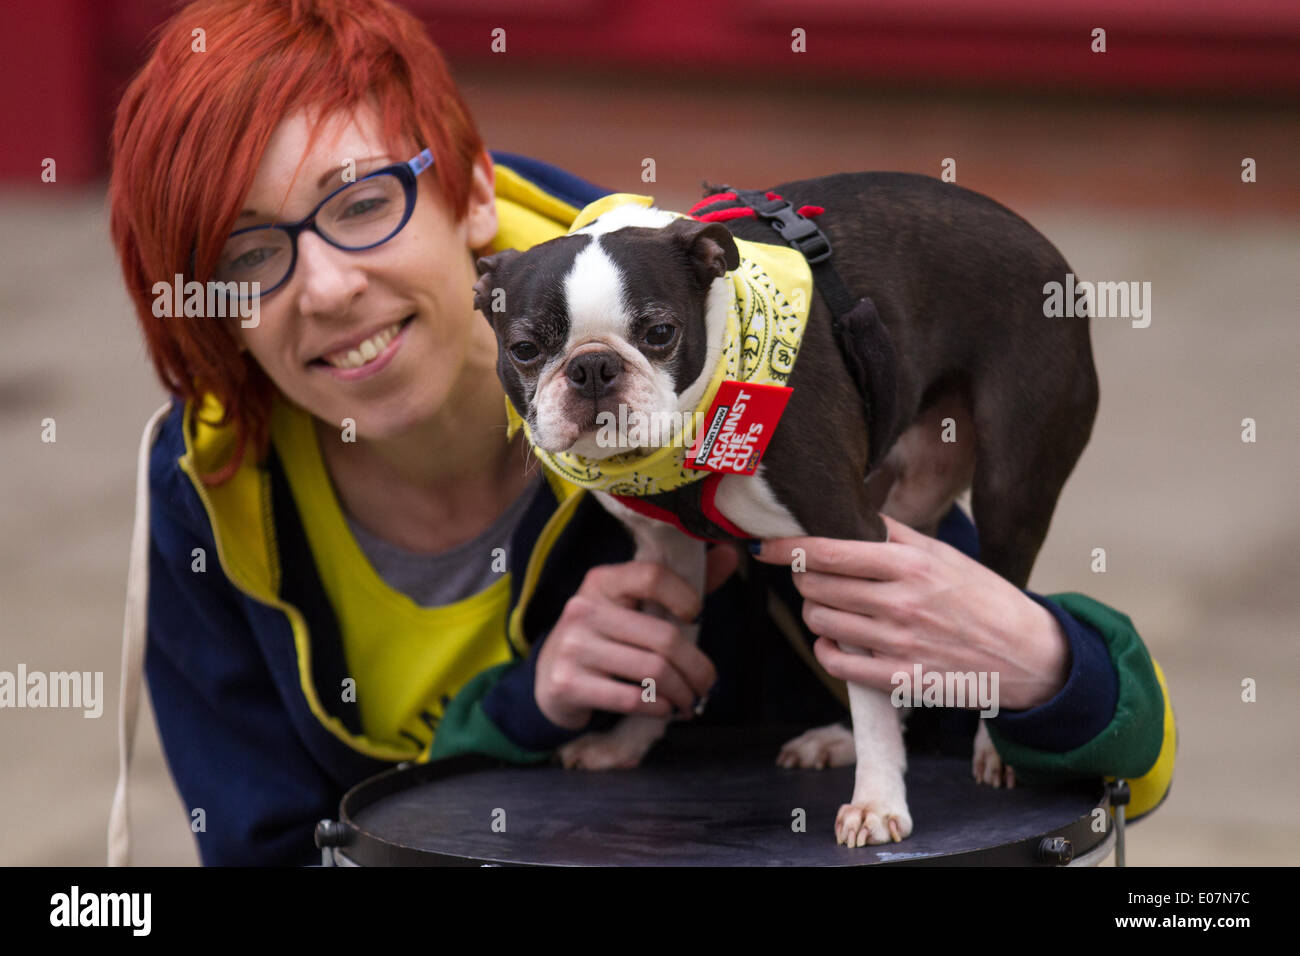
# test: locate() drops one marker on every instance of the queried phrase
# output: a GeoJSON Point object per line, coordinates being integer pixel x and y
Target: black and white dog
{"type": "Point", "coordinates": [631, 309]}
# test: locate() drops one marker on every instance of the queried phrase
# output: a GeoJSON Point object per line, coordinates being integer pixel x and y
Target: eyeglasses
{"type": "Point", "coordinates": [354, 217]}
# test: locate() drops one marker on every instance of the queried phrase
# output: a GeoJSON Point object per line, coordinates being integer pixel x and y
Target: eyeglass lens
{"type": "Point", "coordinates": [366, 213]}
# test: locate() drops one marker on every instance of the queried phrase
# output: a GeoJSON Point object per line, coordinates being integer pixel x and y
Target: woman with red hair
{"type": "Point", "coordinates": [333, 532]}
{"type": "Point", "coordinates": [340, 561]}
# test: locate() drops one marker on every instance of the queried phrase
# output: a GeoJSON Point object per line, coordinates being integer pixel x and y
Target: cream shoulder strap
{"type": "Point", "coordinates": [133, 640]}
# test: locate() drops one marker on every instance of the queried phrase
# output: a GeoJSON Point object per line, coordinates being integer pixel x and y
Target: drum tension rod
{"type": "Point", "coordinates": [330, 834]}
{"type": "Point", "coordinates": [1119, 798]}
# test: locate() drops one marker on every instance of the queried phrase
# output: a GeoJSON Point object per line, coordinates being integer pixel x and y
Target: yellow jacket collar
{"type": "Point", "coordinates": [771, 291]}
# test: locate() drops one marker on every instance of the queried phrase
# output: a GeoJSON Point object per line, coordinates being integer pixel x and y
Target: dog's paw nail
{"type": "Point", "coordinates": [869, 823]}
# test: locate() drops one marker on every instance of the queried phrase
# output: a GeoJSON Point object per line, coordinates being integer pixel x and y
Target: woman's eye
{"type": "Point", "coordinates": [524, 351]}
{"type": "Point", "coordinates": [660, 335]}
{"type": "Point", "coordinates": [253, 258]}
{"type": "Point", "coordinates": [362, 206]}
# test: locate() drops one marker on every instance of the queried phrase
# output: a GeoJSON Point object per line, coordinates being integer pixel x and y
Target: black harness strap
{"type": "Point", "coordinates": [863, 340]}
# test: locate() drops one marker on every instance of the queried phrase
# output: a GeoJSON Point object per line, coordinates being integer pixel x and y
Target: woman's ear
{"type": "Point", "coordinates": [481, 214]}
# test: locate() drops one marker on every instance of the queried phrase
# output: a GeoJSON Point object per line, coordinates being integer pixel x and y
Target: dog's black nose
{"type": "Point", "coordinates": [595, 373]}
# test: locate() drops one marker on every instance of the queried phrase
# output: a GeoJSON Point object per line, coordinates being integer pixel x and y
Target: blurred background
{"type": "Point", "coordinates": [1130, 160]}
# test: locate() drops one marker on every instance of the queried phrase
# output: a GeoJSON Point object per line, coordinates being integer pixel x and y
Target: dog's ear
{"type": "Point", "coordinates": [710, 245]}
{"type": "Point", "coordinates": [489, 270]}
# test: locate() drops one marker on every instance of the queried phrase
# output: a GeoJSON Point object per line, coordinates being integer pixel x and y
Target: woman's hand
{"type": "Point", "coordinates": [916, 600]}
{"type": "Point", "coordinates": [601, 642]}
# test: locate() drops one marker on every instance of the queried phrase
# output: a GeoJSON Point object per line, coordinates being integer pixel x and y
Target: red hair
{"type": "Point", "coordinates": [190, 133]}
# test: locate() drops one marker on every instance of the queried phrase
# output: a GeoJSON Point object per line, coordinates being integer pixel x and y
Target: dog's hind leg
{"type": "Point", "coordinates": [1027, 441]}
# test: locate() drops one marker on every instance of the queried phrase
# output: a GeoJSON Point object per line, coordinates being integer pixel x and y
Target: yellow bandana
{"type": "Point", "coordinates": [771, 293]}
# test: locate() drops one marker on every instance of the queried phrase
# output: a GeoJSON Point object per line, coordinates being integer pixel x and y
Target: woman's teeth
{"type": "Point", "coordinates": [366, 352]}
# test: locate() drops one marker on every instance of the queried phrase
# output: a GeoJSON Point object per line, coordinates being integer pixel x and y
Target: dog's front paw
{"type": "Point", "coordinates": [986, 765]}
{"type": "Point", "coordinates": [821, 747]}
{"type": "Point", "coordinates": [872, 822]}
{"type": "Point", "coordinates": [600, 751]}
{"type": "Point", "coordinates": [620, 748]}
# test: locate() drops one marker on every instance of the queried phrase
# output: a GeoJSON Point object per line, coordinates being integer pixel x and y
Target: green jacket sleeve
{"type": "Point", "coordinates": [466, 728]}
{"type": "Point", "coordinates": [1140, 742]}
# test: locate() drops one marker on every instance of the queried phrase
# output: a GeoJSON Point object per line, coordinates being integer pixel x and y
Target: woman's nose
{"type": "Point", "coordinates": [328, 278]}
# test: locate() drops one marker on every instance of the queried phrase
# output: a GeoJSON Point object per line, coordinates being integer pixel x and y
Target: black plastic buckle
{"type": "Point", "coordinates": [797, 230]}
{"type": "Point", "coordinates": [816, 249]}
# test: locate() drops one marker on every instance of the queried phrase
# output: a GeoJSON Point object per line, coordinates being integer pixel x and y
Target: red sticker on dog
{"type": "Point", "coordinates": [737, 427]}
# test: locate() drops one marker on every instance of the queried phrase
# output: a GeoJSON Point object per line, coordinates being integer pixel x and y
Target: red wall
{"type": "Point", "coordinates": [64, 62]}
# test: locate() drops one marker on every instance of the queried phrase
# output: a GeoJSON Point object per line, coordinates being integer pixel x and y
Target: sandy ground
{"type": "Point", "coordinates": [1200, 531]}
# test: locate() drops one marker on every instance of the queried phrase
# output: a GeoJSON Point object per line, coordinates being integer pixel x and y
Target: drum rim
{"type": "Point", "coordinates": [368, 848]}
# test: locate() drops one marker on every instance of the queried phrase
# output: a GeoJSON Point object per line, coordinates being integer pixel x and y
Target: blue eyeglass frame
{"type": "Point", "coordinates": [405, 172]}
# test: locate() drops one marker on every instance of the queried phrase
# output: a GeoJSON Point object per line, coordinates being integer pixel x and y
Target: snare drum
{"type": "Point", "coordinates": [703, 797]}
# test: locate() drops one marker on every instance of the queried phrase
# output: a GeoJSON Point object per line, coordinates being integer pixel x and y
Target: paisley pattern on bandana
{"type": "Point", "coordinates": [771, 291]}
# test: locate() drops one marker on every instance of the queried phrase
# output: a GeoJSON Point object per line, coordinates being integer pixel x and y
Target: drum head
{"type": "Point", "coordinates": [703, 797]}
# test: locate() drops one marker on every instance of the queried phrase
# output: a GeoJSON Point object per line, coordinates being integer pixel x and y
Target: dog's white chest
{"type": "Point", "coordinates": [749, 502]}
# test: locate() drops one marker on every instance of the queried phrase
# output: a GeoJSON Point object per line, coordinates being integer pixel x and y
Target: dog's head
{"type": "Point", "coordinates": [612, 315]}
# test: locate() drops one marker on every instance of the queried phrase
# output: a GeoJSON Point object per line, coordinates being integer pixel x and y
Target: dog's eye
{"type": "Point", "coordinates": [660, 335]}
{"type": "Point", "coordinates": [524, 351]}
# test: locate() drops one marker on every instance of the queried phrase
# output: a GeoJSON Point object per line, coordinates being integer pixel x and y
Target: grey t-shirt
{"type": "Point", "coordinates": [434, 580]}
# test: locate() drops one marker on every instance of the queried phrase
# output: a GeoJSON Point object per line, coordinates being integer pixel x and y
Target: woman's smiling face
{"type": "Point", "coordinates": [415, 291]}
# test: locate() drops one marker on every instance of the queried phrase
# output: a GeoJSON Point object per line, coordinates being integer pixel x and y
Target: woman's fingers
{"type": "Point", "coordinates": [852, 630]}
{"type": "Point", "coordinates": [568, 687]}
{"type": "Point", "coordinates": [599, 692]}
{"type": "Point", "coordinates": [875, 672]}
{"type": "Point", "coordinates": [634, 582]}
{"type": "Point", "coordinates": [602, 649]}
{"type": "Point", "coordinates": [836, 591]}
{"type": "Point", "coordinates": [664, 639]}
{"type": "Point", "coordinates": [603, 656]}
{"type": "Point", "coordinates": [875, 560]}
{"type": "Point", "coordinates": [848, 594]}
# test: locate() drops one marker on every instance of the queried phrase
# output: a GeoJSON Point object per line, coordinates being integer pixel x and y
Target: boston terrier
{"type": "Point", "coordinates": [637, 312]}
